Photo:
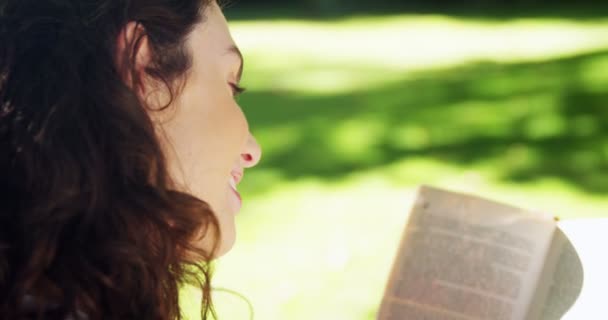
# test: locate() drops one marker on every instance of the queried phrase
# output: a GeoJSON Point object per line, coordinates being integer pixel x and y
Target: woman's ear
{"type": "Point", "coordinates": [133, 55]}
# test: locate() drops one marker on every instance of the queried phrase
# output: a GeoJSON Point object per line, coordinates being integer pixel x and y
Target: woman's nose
{"type": "Point", "coordinates": [252, 153]}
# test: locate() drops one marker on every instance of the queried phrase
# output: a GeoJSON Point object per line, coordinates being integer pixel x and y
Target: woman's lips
{"type": "Point", "coordinates": [237, 176]}
{"type": "Point", "coordinates": [233, 183]}
{"type": "Point", "coordinates": [238, 195]}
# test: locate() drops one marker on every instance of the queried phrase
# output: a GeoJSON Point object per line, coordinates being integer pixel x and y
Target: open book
{"type": "Point", "coordinates": [466, 258]}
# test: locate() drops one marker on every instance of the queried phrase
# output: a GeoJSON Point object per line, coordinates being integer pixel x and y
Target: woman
{"type": "Point", "coordinates": [121, 147]}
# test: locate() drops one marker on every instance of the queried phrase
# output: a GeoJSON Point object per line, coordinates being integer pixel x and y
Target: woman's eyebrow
{"type": "Point", "coordinates": [235, 50]}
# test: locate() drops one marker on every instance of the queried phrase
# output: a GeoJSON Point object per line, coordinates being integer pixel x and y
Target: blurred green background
{"type": "Point", "coordinates": [356, 103]}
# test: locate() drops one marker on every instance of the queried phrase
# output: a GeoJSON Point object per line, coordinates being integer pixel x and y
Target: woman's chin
{"type": "Point", "coordinates": [227, 220]}
{"type": "Point", "coordinates": [226, 244]}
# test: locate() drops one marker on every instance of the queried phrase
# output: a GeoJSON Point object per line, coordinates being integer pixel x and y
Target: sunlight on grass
{"type": "Point", "coordinates": [595, 74]}
{"type": "Point", "coordinates": [356, 138]}
{"type": "Point", "coordinates": [333, 51]}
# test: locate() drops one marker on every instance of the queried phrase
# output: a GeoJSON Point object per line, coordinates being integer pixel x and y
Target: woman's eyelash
{"type": "Point", "coordinates": [236, 89]}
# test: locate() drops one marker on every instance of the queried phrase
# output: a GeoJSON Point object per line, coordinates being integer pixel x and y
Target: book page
{"type": "Point", "coordinates": [466, 258]}
{"type": "Point", "coordinates": [589, 237]}
{"type": "Point", "coordinates": [561, 280]}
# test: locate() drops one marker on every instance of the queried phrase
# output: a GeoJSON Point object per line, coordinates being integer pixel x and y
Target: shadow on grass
{"type": "Point", "coordinates": [527, 121]}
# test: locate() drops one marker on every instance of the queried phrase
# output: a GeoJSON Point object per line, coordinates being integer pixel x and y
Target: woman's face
{"type": "Point", "coordinates": [204, 132]}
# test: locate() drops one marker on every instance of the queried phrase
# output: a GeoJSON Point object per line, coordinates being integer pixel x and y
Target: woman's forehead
{"type": "Point", "coordinates": [213, 31]}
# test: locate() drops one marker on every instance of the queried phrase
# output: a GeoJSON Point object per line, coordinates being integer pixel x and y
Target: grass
{"type": "Point", "coordinates": [354, 113]}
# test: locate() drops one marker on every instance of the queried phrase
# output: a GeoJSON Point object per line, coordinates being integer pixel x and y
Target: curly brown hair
{"type": "Point", "coordinates": [90, 221]}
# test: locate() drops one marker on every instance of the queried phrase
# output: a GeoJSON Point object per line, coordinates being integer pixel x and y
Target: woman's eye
{"type": "Point", "coordinates": [236, 89]}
